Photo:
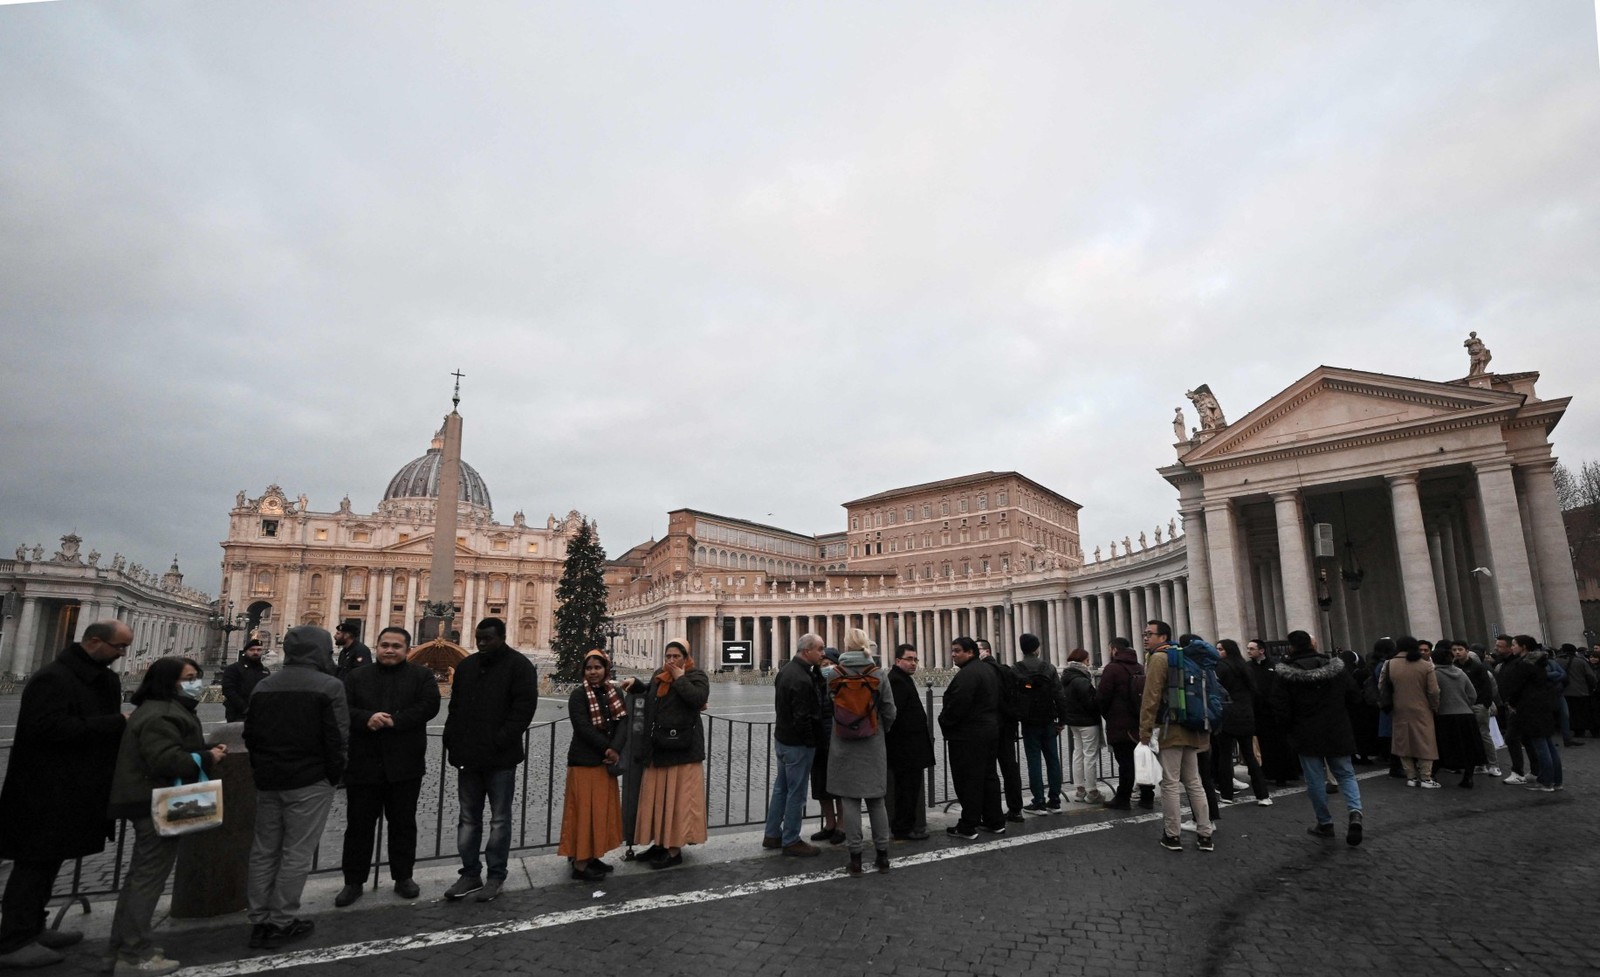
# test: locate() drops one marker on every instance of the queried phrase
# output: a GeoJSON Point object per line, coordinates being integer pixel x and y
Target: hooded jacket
{"type": "Point", "coordinates": [299, 723]}
{"type": "Point", "coordinates": [1077, 685]}
{"type": "Point", "coordinates": [1528, 691]}
{"type": "Point", "coordinates": [238, 681]}
{"type": "Point", "coordinates": [493, 698]}
{"type": "Point", "coordinates": [1311, 697]}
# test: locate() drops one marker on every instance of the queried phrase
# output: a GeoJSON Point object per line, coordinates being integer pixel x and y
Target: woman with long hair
{"type": "Point", "coordinates": [159, 747]}
{"type": "Point", "coordinates": [672, 794]}
{"type": "Point", "coordinates": [591, 816]}
{"type": "Point", "coordinates": [858, 760]}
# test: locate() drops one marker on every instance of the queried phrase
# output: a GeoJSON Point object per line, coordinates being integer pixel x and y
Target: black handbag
{"type": "Point", "coordinates": [672, 736]}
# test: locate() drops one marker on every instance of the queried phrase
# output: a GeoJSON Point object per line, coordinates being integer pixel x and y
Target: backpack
{"type": "Point", "coordinates": [1555, 674]}
{"type": "Point", "coordinates": [1010, 692]}
{"type": "Point", "coordinates": [1195, 698]}
{"type": "Point", "coordinates": [1037, 705]}
{"type": "Point", "coordinates": [855, 703]}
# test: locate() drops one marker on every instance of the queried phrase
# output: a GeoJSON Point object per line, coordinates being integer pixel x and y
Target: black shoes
{"type": "Point", "coordinates": [267, 936]}
{"type": "Point", "coordinates": [1352, 835]}
{"type": "Point", "coordinates": [666, 860]}
{"type": "Point", "coordinates": [347, 895]}
{"type": "Point", "coordinates": [407, 889]}
{"type": "Point", "coordinates": [589, 873]}
{"type": "Point", "coordinates": [956, 831]}
{"type": "Point", "coordinates": [1171, 843]}
{"type": "Point", "coordinates": [1320, 831]}
{"type": "Point", "coordinates": [882, 863]}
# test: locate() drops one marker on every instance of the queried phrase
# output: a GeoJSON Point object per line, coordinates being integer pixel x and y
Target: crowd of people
{"type": "Point", "coordinates": [847, 733]}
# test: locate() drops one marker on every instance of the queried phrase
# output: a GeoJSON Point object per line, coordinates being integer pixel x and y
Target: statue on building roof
{"type": "Point", "coordinates": [1097, 554]}
{"type": "Point", "coordinates": [519, 520]}
{"type": "Point", "coordinates": [344, 505]}
{"type": "Point", "coordinates": [1477, 354]}
{"type": "Point", "coordinates": [22, 553]}
{"type": "Point", "coordinates": [1144, 541]}
{"type": "Point", "coordinates": [1172, 528]}
{"type": "Point", "coordinates": [1178, 424]}
{"type": "Point", "coordinates": [1205, 404]}
{"type": "Point", "coordinates": [1158, 534]}
{"type": "Point", "coordinates": [38, 552]}
{"type": "Point", "coordinates": [1127, 546]}
{"type": "Point", "coordinates": [94, 558]}
{"type": "Point", "coordinates": [238, 500]}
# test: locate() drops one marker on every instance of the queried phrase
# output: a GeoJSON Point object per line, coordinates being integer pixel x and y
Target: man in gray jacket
{"type": "Point", "coordinates": [296, 730]}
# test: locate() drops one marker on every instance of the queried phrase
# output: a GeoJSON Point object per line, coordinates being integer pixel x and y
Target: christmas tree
{"type": "Point", "coordinates": [581, 598]}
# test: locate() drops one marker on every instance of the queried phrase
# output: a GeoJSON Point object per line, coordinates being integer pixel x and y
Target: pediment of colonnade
{"type": "Point", "coordinates": [1332, 408]}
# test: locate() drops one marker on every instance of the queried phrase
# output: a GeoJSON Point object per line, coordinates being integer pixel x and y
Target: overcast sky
{"type": "Point", "coordinates": [753, 260]}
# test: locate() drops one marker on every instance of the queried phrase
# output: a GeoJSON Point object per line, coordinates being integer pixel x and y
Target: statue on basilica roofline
{"type": "Point", "coordinates": [22, 553]}
{"type": "Point", "coordinates": [1478, 355]}
{"type": "Point", "coordinates": [1205, 404]}
{"type": "Point", "coordinates": [1178, 424]}
{"type": "Point", "coordinates": [1158, 534]}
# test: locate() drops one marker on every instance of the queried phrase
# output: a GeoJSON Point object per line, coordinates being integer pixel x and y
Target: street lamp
{"type": "Point", "coordinates": [612, 631]}
{"type": "Point", "coordinates": [226, 622]}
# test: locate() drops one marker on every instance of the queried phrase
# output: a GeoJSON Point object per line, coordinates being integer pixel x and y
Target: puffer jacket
{"type": "Point", "coordinates": [1311, 698]}
{"type": "Point", "coordinates": [1083, 708]}
{"type": "Point", "coordinates": [158, 748]}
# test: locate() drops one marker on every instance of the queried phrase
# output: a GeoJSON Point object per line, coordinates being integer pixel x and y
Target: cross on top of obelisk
{"type": "Point", "coordinates": [455, 399]}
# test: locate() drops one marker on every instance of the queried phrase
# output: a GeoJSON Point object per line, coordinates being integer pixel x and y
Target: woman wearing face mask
{"type": "Point", "coordinates": [158, 748]}
{"type": "Point", "coordinates": [591, 821]}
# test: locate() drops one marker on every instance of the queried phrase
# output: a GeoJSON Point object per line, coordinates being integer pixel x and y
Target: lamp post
{"type": "Point", "coordinates": [226, 622]}
{"type": "Point", "coordinates": [612, 630]}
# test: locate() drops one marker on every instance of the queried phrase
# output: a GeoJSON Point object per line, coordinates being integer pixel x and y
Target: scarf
{"type": "Point", "coordinates": [600, 717]}
{"type": "Point", "coordinates": [664, 677]}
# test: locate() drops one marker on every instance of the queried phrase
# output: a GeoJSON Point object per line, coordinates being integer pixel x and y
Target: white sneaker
{"type": "Point", "coordinates": [1430, 784]}
{"type": "Point", "coordinates": [153, 966]}
{"type": "Point", "coordinates": [1492, 770]}
{"type": "Point", "coordinates": [1514, 779]}
{"type": "Point", "coordinates": [1188, 826]}
{"type": "Point", "coordinates": [1412, 783]}
{"type": "Point", "coordinates": [1240, 784]}
{"type": "Point", "coordinates": [1263, 802]}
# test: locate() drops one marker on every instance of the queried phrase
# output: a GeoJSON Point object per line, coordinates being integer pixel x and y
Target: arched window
{"type": "Point", "coordinates": [316, 586]}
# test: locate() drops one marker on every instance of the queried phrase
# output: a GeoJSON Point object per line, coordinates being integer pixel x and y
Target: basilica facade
{"type": "Point", "coordinates": [285, 563]}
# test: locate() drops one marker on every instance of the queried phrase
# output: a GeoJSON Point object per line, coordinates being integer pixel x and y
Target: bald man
{"type": "Point", "coordinates": [58, 785]}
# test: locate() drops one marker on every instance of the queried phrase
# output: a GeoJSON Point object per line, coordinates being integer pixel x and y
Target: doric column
{"type": "Point", "coordinates": [1563, 613]}
{"type": "Point", "coordinates": [1106, 630]}
{"type": "Point", "coordinates": [1452, 579]}
{"type": "Point", "coordinates": [1202, 618]}
{"type": "Point", "coordinates": [1411, 547]}
{"type": "Point", "coordinates": [1507, 548]}
{"type": "Point", "coordinates": [335, 599]}
{"type": "Point", "coordinates": [1299, 596]}
{"type": "Point", "coordinates": [411, 604]}
{"type": "Point", "coordinates": [1440, 577]}
{"type": "Point", "coordinates": [1226, 600]}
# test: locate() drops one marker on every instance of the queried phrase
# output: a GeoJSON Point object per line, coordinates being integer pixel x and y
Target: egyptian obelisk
{"type": "Point", "coordinates": [442, 574]}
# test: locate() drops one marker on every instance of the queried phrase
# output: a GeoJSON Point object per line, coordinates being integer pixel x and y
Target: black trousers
{"type": "Point", "coordinates": [1222, 747]}
{"type": "Point", "coordinates": [396, 803]}
{"type": "Point", "coordinates": [907, 806]}
{"type": "Point", "coordinates": [1010, 774]}
{"type": "Point", "coordinates": [972, 771]}
{"type": "Point", "coordinates": [1122, 752]}
{"type": "Point", "coordinates": [22, 909]}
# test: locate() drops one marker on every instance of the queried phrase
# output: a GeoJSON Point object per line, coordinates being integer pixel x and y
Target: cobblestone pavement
{"type": "Point", "coordinates": [1450, 881]}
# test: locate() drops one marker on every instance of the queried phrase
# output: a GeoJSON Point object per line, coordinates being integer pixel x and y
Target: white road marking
{"type": "Point", "coordinates": [510, 927]}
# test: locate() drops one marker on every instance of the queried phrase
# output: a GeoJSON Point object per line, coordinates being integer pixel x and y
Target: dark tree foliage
{"type": "Point", "coordinates": [581, 604]}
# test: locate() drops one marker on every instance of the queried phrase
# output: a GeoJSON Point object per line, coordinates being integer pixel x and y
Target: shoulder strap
{"type": "Point", "coordinates": [178, 781]}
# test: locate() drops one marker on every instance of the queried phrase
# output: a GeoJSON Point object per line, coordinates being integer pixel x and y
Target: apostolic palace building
{"type": "Point", "coordinates": [1352, 505]}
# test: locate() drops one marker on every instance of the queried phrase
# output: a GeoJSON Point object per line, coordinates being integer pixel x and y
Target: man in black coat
{"type": "Point", "coordinates": [352, 653]}
{"type": "Point", "coordinates": [58, 785]}
{"type": "Point", "coordinates": [1311, 698]}
{"type": "Point", "coordinates": [797, 700]}
{"type": "Point", "coordinates": [493, 697]}
{"type": "Point", "coordinates": [1010, 731]}
{"type": "Point", "coordinates": [390, 705]}
{"type": "Point", "coordinates": [970, 721]}
{"type": "Point", "coordinates": [239, 680]}
{"type": "Point", "coordinates": [910, 749]}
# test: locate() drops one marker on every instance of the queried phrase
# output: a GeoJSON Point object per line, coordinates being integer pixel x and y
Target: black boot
{"type": "Point", "coordinates": [854, 868]}
{"type": "Point", "coordinates": [882, 863]}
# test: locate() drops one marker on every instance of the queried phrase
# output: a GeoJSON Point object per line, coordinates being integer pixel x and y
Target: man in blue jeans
{"type": "Point", "coordinates": [1044, 715]}
{"type": "Point", "coordinates": [492, 701]}
{"type": "Point", "coordinates": [799, 693]}
{"type": "Point", "coordinates": [1312, 698]}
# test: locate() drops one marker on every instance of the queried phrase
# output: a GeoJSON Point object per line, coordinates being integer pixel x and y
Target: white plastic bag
{"type": "Point", "coordinates": [1146, 766]}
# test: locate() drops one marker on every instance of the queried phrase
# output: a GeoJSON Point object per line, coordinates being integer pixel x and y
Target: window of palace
{"type": "Point", "coordinates": [983, 501]}
{"type": "Point", "coordinates": [316, 584]}
{"type": "Point", "coordinates": [1002, 499]}
{"type": "Point", "coordinates": [500, 544]}
{"type": "Point", "coordinates": [927, 511]}
{"type": "Point", "coordinates": [322, 534]}
{"type": "Point", "coordinates": [533, 547]}
{"type": "Point", "coordinates": [909, 512]}
{"type": "Point", "coordinates": [269, 527]}
{"type": "Point", "coordinates": [1005, 564]}
{"type": "Point", "coordinates": [855, 522]}
{"type": "Point", "coordinates": [405, 537]}
{"type": "Point", "coordinates": [944, 507]}
{"type": "Point", "coordinates": [360, 536]}
{"type": "Point", "coordinates": [963, 503]}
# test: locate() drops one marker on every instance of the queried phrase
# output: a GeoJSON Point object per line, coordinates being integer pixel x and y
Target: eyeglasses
{"type": "Point", "coordinates": [1152, 634]}
{"type": "Point", "coordinates": [908, 658]}
{"type": "Point", "coordinates": [120, 645]}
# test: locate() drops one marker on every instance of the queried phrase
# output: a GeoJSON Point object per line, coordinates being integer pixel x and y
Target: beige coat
{"type": "Point", "coordinates": [1416, 699]}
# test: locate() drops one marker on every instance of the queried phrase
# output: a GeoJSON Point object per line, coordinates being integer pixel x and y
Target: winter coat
{"type": "Point", "coordinates": [1416, 699]}
{"type": "Point", "coordinates": [351, 657]}
{"type": "Point", "coordinates": [493, 697]}
{"type": "Point", "coordinates": [971, 711]}
{"type": "Point", "coordinates": [1033, 668]}
{"type": "Point", "coordinates": [1239, 716]}
{"type": "Point", "coordinates": [1456, 693]}
{"type": "Point", "coordinates": [1077, 686]}
{"type": "Point", "coordinates": [860, 767]}
{"type": "Point", "coordinates": [1116, 698]}
{"type": "Point", "coordinates": [298, 727]}
{"type": "Point", "coordinates": [1483, 686]}
{"type": "Point", "coordinates": [1008, 726]}
{"type": "Point", "coordinates": [686, 698]}
{"type": "Point", "coordinates": [797, 695]}
{"type": "Point", "coordinates": [1311, 699]}
{"type": "Point", "coordinates": [1533, 698]}
{"type": "Point", "coordinates": [409, 693]}
{"type": "Point", "coordinates": [158, 748]}
{"type": "Point", "coordinates": [910, 741]}
{"type": "Point", "coordinates": [590, 742]}
{"type": "Point", "coordinates": [58, 777]}
{"type": "Point", "coordinates": [238, 681]}
{"type": "Point", "coordinates": [1580, 676]}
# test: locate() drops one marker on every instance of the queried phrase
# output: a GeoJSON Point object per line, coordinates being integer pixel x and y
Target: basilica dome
{"type": "Point", "coordinates": [419, 479]}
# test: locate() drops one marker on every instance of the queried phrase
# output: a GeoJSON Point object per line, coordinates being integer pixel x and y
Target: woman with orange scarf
{"type": "Point", "coordinates": [672, 794]}
{"type": "Point", "coordinates": [591, 818]}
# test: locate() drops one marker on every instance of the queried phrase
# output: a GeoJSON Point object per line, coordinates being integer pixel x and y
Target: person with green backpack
{"type": "Point", "coordinates": [1181, 691]}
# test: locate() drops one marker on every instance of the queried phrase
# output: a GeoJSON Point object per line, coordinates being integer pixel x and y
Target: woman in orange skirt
{"type": "Point", "coordinates": [672, 795]}
{"type": "Point", "coordinates": [591, 819]}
